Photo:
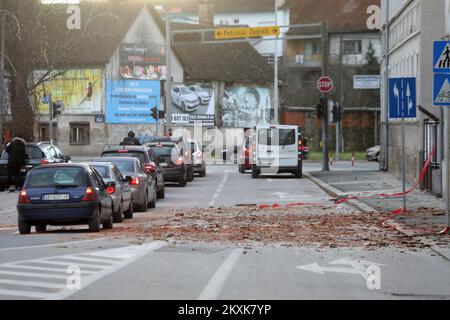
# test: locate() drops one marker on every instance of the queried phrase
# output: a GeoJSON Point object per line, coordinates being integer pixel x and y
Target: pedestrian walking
{"type": "Point", "coordinates": [16, 160]}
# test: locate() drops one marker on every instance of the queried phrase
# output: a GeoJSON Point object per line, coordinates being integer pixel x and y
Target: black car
{"type": "Point", "coordinates": [171, 159]}
{"type": "Point", "coordinates": [64, 194]}
{"type": "Point", "coordinates": [37, 153]}
{"type": "Point", "coordinates": [142, 153]}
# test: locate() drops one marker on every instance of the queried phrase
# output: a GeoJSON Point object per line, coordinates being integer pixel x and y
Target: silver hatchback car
{"type": "Point", "coordinates": [143, 186]}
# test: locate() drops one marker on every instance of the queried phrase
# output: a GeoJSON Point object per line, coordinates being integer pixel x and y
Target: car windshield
{"type": "Point", "coordinates": [163, 151]}
{"type": "Point", "coordinates": [276, 137]}
{"type": "Point", "coordinates": [124, 166]}
{"type": "Point", "coordinates": [104, 171]}
{"type": "Point", "coordinates": [185, 90]}
{"type": "Point", "coordinates": [194, 147]}
{"type": "Point", "coordinates": [57, 177]}
{"type": "Point", "coordinates": [129, 154]}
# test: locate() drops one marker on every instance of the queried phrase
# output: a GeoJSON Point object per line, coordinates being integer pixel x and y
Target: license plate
{"type": "Point", "coordinates": [266, 163]}
{"type": "Point", "coordinates": [164, 164]}
{"type": "Point", "coordinates": [56, 197]}
{"type": "Point", "coordinates": [23, 170]}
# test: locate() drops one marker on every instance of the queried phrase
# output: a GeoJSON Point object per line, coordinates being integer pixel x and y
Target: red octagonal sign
{"type": "Point", "coordinates": [325, 84]}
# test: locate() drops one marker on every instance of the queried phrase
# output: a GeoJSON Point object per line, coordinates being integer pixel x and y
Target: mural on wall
{"type": "Point", "coordinates": [131, 101]}
{"type": "Point", "coordinates": [143, 61]}
{"type": "Point", "coordinates": [79, 90]}
{"type": "Point", "coordinates": [245, 107]}
{"type": "Point", "coordinates": [193, 103]}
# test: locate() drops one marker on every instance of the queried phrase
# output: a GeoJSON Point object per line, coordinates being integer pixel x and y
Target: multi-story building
{"type": "Point", "coordinates": [410, 28]}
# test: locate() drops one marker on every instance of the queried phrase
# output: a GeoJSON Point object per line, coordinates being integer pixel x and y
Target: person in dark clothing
{"type": "Point", "coordinates": [16, 160]}
{"type": "Point", "coordinates": [131, 140]}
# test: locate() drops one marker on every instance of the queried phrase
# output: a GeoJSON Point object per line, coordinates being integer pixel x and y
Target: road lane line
{"type": "Point", "coordinates": [26, 294]}
{"type": "Point", "coordinates": [33, 275]}
{"type": "Point", "coordinates": [217, 282]}
{"type": "Point", "coordinates": [36, 284]}
{"type": "Point", "coordinates": [51, 245]}
{"type": "Point", "coordinates": [138, 253]}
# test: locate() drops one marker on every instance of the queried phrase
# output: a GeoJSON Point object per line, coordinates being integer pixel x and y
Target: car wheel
{"type": "Point", "coordinates": [118, 216]}
{"type": "Point", "coordinates": [182, 183]}
{"type": "Point", "coordinates": [162, 192]}
{"type": "Point", "coordinates": [94, 222]}
{"type": "Point", "coordinates": [190, 175]}
{"type": "Point", "coordinates": [143, 206]}
{"type": "Point", "coordinates": [255, 173]}
{"type": "Point", "coordinates": [108, 224]}
{"type": "Point", "coordinates": [2, 188]}
{"type": "Point", "coordinates": [40, 228]}
{"type": "Point", "coordinates": [241, 169]}
{"type": "Point", "coordinates": [24, 227]}
{"type": "Point", "coordinates": [299, 173]}
{"type": "Point", "coordinates": [202, 173]}
{"type": "Point", "coordinates": [152, 204]}
{"type": "Point", "coordinates": [129, 213]}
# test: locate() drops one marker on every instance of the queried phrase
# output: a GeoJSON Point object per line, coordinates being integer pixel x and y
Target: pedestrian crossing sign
{"type": "Point", "coordinates": [441, 57]}
{"type": "Point", "coordinates": [441, 95]}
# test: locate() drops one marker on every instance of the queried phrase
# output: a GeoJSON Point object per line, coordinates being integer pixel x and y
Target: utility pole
{"type": "Point", "coordinates": [168, 87]}
{"type": "Point", "coordinates": [340, 99]}
{"type": "Point", "coordinates": [276, 99]}
{"type": "Point", "coordinates": [2, 76]}
{"type": "Point", "coordinates": [50, 118]}
{"type": "Point", "coordinates": [325, 120]}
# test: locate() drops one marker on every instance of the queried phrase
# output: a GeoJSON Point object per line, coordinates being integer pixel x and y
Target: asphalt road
{"type": "Point", "coordinates": [52, 265]}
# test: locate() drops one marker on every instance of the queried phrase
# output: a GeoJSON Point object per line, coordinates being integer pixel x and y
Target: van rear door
{"type": "Point", "coordinates": [277, 146]}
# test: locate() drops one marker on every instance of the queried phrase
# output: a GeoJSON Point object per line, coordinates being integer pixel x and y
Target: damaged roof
{"type": "Point", "coordinates": [109, 22]}
{"type": "Point", "coordinates": [220, 6]}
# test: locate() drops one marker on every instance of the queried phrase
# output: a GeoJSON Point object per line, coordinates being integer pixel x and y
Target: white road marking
{"type": "Point", "coordinates": [35, 284]}
{"type": "Point", "coordinates": [78, 258]}
{"type": "Point", "coordinates": [135, 253]}
{"type": "Point", "coordinates": [217, 282]}
{"type": "Point", "coordinates": [62, 270]}
{"type": "Point", "coordinates": [215, 196]}
{"type": "Point", "coordinates": [60, 263]}
{"type": "Point", "coordinates": [27, 294]}
{"type": "Point", "coordinates": [33, 275]}
{"type": "Point", "coordinates": [212, 203]}
{"type": "Point", "coordinates": [14, 233]}
{"type": "Point", "coordinates": [51, 245]}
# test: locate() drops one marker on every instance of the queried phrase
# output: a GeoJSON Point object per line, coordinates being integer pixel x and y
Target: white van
{"type": "Point", "coordinates": [277, 149]}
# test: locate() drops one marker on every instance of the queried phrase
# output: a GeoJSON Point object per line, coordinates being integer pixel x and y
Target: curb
{"type": "Point", "coordinates": [364, 208]}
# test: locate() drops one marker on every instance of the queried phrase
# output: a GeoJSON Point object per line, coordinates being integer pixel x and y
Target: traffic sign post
{"type": "Point", "coordinates": [403, 105]}
{"type": "Point", "coordinates": [441, 97]}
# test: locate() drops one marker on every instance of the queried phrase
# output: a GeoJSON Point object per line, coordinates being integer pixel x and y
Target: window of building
{"type": "Point", "coordinates": [236, 21]}
{"type": "Point", "coordinates": [311, 49]}
{"type": "Point", "coordinates": [352, 46]}
{"type": "Point", "coordinates": [80, 133]}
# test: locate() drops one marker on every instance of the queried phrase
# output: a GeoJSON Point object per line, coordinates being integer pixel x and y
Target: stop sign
{"type": "Point", "coordinates": [325, 84]}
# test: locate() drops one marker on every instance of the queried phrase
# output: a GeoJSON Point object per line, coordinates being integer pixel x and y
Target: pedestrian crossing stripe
{"type": "Point", "coordinates": [443, 61]}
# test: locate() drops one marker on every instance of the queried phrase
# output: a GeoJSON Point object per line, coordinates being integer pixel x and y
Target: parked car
{"type": "Point", "coordinates": [143, 154]}
{"type": "Point", "coordinates": [373, 154]}
{"type": "Point", "coordinates": [142, 184]}
{"type": "Point", "coordinates": [120, 194]}
{"type": "Point", "coordinates": [64, 194]}
{"type": "Point", "coordinates": [172, 161]}
{"type": "Point", "coordinates": [245, 156]}
{"type": "Point", "coordinates": [37, 153]}
{"type": "Point", "coordinates": [203, 96]}
{"type": "Point", "coordinates": [278, 150]}
{"type": "Point", "coordinates": [185, 151]}
{"type": "Point", "coordinates": [197, 158]}
{"type": "Point", "coordinates": [184, 98]}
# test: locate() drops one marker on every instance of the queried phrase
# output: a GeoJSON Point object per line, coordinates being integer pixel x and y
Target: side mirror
{"type": "Point", "coordinates": [67, 158]}
{"type": "Point", "coordinates": [128, 179]}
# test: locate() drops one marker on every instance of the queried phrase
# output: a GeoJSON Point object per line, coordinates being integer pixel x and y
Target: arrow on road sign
{"type": "Point", "coordinates": [397, 96]}
{"type": "Point", "coordinates": [408, 96]}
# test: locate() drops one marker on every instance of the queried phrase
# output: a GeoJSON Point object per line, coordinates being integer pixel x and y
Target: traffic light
{"type": "Point", "coordinates": [321, 109]}
{"type": "Point", "coordinates": [57, 109]}
{"type": "Point", "coordinates": [155, 114]}
{"type": "Point", "coordinates": [162, 115]}
{"type": "Point", "coordinates": [337, 113]}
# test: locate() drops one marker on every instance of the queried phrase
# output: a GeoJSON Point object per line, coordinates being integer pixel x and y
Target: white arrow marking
{"type": "Point", "coordinates": [314, 267]}
{"type": "Point", "coordinates": [284, 195]}
{"type": "Point", "coordinates": [397, 95]}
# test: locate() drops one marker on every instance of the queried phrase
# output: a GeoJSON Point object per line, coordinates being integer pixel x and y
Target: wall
{"type": "Point", "coordinates": [355, 59]}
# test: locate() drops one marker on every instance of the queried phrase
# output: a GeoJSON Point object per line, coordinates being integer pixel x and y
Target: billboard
{"type": "Point", "coordinates": [131, 101]}
{"type": "Point", "coordinates": [79, 90]}
{"type": "Point", "coordinates": [245, 107]}
{"type": "Point", "coordinates": [193, 103]}
{"type": "Point", "coordinates": [143, 62]}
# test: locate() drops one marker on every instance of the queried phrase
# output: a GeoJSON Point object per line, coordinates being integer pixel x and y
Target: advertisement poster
{"type": "Point", "coordinates": [80, 91]}
{"type": "Point", "coordinates": [193, 103]}
{"type": "Point", "coordinates": [245, 107]}
{"type": "Point", "coordinates": [132, 101]}
{"type": "Point", "coordinates": [143, 62]}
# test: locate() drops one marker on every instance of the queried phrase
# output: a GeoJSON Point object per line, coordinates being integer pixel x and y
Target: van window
{"type": "Point", "coordinates": [277, 137]}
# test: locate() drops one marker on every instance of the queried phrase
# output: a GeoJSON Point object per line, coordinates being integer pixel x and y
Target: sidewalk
{"type": "Point", "coordinates": [426, 213]}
